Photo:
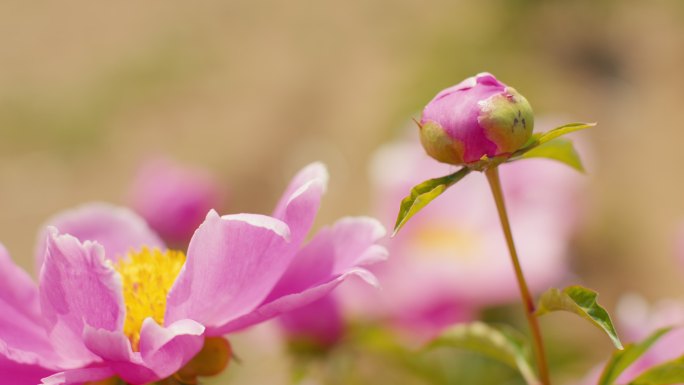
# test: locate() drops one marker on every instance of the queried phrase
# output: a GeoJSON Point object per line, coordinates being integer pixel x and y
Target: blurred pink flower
{"type": "Point", "coordinates": [450, 260]}
{"type": "Point", "coordinates": [174, 199]}
{"type": "Point", "coordinates": [637, 320]}
{"type": "Point", "coordinates": [112, 301]}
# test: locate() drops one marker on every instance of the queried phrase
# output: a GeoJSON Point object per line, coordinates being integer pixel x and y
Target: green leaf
{"type": "Point", "coordinates": [559, 149]}
{"type": "Point", "coordinates": [500, 343]}
{"type": "Point", "coordinates": [671, 372]}
{"type": "Point", "coordinates": [562, 130]}
{"type": "Point", "coordinates": [622, 359]}
{"type": "Point", "coordinates": [581, 301]}
{"type": "Point", "coordinates": [424, 193]}
{"type": "Point", "coordinates": [539, 138]}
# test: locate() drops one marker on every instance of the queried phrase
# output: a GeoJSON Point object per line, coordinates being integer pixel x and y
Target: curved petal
{"type": "Point", "coordinates": [355, 241]}
{"type": "Point", "coordinates": [300, 202]}
{"type": "Point", "coordinates": [117, 229]}
{"type": "Point", "coordinates": [163, 350]}
{"type": "Point", "coordinates": [78, 376]}
{"type": "Point", "coordinates": [17, 289]}
{"type": "Point", "coordinates": [21, 374]}
{"type": "Point", "coordinates": [167, 349]}
{"type": "Point", "coordinates": [23, 339]}
{"type": "Point", "coordinates": [78, 288]}
{"type": "Point", "coordinates": [289, 302]}
{"type": "Point", "coordinates": [350, 242]}
{"type": "Point", "coordinates": [233, 263]}
{"type": "Point", "coordinates": [115, 350]}
{"type": "Point", "coordinates": [334, 254]}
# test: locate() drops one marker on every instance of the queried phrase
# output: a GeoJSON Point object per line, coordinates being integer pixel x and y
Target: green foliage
{"type": "Point", "coordinates": [621, 359]}
{"type": "Point", "coordinates": [559, 149]}
{"type": "Point", "coordinates": [671, 372]}
{"type": "Point", "coordinates": [541, 138]}
{"type": "Point", "coordinates": [424, 193]}
{"type": "Point", "coordinates": [581, 301]}
{"type": "Point", "coordinates": [501, 343]}
{"type": "Point", "coordinates": [562, 130]}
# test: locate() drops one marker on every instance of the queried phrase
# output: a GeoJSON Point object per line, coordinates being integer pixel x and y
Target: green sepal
{"type": "Point", "coordinates": [559, 149]}
{"type": "Point", "coordinates": [501, 343]}
{"type": "Point", "coordinates": [424, 193]}
{"type": "Point", "coordinates": [581, 301]}
{"type": "Point", "coordinates": [671, 372]}
{"type": "Point", "coordinates": [622, 359]}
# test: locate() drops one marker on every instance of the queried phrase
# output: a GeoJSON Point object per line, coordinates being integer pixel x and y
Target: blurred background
{"type": "Point", "coordinates": [254, 90]}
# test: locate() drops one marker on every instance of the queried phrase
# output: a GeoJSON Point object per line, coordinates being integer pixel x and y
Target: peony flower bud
{"type": "Point", "coordinates": [478, 117]}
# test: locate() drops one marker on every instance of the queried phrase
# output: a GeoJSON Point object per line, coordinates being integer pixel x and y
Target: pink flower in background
{"type": "Point", "coordinates": [451, 259]}
{"type": "Point", "coordinates": [174, 199]}
{"type": "Point", "coordinates": [113, 301]}
{"type": "Point", "coordinates": [637, 320]}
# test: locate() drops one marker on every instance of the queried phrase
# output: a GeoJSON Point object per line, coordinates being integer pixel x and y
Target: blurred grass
{"type": "Point", "coordinates": [76, 119]}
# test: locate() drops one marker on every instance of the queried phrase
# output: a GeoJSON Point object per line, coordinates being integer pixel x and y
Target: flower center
{"type": "Point", "coordinates": [440, 241]}
{"type": "Point", "coordinates": [147, 277]}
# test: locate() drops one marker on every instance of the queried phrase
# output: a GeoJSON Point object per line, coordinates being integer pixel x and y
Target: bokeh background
{"type": "Point", "coordinates": [253, 90]}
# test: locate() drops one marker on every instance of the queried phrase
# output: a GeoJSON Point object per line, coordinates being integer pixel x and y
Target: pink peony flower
{"type": "Point", "coordinates": [637, 320]}
{"type": "Point", "coordinates": [113, 301]}
{"type": "Point", "coordinates": [173, 199]}
{"type": "Point", "coordinates": [450, 260]}
{"type": "Point", "coordinates": [477, 117]}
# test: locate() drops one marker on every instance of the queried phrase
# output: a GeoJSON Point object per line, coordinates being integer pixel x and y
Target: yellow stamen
{"type": "Point", "coordinates": [147, 277]}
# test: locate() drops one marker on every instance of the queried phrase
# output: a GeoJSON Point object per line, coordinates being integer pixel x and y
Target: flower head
{"type": "Point", "coordinates": [478, 117]}
{"type": "Point", "coordinates": [114, 301]}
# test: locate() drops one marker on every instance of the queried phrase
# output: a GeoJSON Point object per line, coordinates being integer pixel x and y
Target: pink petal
{"type": "Point", "coordinates": [78, 288]}
{"type": "Point", "coordinates": [23, 338]}
{"type": "Point", "coordinates": [119, 230]}
{"type": "Point", "coordinates": [300, 202]}
{"type": "Point", "coordinates": [21, 374]}
{"type": "Point", "coordinates": [115, 350]}
{"type": "Point", "coordinates": [350, 242]}
{"type": "Point", "coordinates": [167, 349]}
{"type": "Point", "coordinates": [78, 376]}
{"type": "Point", "coordinates": [354, 240]}
{"type": "Point", "coordinates": [17, 289]}
{"type": "Point", "coordinates": [290, 302]}
{"type": "Point", "coordinates": [163, 350]}
{"type": "Point", "coordinates": [233, 263]}
{"type": "Point", "coordinates": [334, 254]}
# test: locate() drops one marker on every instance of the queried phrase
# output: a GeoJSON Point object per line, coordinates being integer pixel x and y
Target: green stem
{"type": "Point", "coordinates": [495, 184]}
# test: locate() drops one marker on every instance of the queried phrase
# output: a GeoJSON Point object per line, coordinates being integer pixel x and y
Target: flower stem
{"type": "Point", "coordinates": [495, 184]}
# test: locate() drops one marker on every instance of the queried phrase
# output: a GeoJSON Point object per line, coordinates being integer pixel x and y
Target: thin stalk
{"type": "Point", "coordinates": [495, 184]}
